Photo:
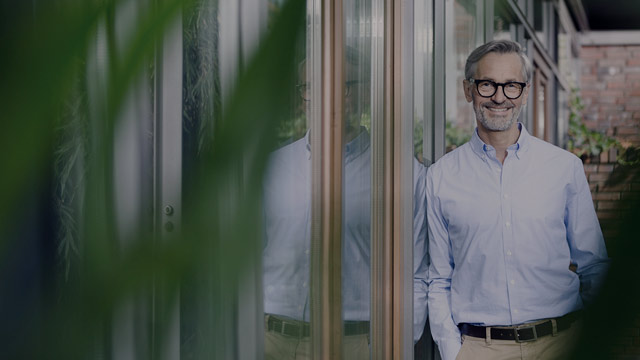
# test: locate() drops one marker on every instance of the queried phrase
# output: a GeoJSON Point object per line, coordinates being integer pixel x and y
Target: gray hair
{"type": "Point", "coordinates": [500, 47]}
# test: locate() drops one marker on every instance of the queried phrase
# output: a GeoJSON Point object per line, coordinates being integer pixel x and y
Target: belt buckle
{"type": "Point", "coordinates": [518, 340]}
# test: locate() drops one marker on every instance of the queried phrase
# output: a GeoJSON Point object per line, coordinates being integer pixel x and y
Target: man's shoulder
{"type": "Point", "coordinates": [451, 160]}
{"type": "Point", "coordinates": [549, 151]}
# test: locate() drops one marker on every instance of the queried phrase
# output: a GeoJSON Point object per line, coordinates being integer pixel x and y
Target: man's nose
{"type": "Point", "coordinates": [499, 97]}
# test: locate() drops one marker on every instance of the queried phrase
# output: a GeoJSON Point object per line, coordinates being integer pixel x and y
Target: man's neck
{"type": "Point", "coordinates": [499, 140]}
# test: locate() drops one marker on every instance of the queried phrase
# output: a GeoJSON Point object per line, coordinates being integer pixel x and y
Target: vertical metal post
{"type": "Point", "coordinates": [403, 181]}
{"type": "Point", "coordinates": [439, 113]}
{"type": "Point", "coordinates": [168, 160]}
{"type": "Point", "coordinates": [381, 310]}
{"type": "Point", "coordinates": [326, 257]}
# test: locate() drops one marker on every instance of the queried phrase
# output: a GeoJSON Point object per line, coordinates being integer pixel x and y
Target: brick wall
{"type": "Point", "coordinates": [610, 89]}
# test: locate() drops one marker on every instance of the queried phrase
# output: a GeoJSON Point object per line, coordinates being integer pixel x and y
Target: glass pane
{"type": "Point", "coordinates": [504, 24]}
{"type": "Point", "coordinates": [460, 40]}
{"type": "Point", "coordinates": [356, 211]}
{"type": "Point", "coordinates": [422, 147]}
{"type": "Point", "coordinates": [540, 19]}
{"type": "Point", "coordinates": [540, 113]}
{"type": "Point", "coordinates": [286, 261]}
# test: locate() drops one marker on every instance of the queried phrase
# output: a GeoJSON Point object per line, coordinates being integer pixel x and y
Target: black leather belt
{"type": "Point", "coordinates": [302, 329]}
{"type": "Point", "coordinates": [521, 333]}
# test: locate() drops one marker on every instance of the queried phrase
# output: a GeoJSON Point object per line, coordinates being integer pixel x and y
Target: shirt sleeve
{"type": "Point", "coordinates": [420, 252]}
{"type": "Point", "coordinates": [584, 236]}
{"type": "Point", "coordinates": [443, 329]}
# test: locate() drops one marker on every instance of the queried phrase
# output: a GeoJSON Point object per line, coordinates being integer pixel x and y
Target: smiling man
{"type": "Point", "coordinates": [508, 214]}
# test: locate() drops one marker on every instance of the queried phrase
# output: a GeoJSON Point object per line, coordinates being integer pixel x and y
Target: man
{"type": "Point", "coordinates": [287, 243]}
{"type": "Point", "coordinates": [507, 214]}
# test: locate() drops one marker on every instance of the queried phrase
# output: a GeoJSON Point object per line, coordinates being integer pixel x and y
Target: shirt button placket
{"type": "Point", "coordinates": [507, 231]}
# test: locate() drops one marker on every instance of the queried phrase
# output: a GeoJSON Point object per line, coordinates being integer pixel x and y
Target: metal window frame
{"type": "Point", "coordinates": [326, 202]}
{"type": "Point", "coordinates": [168, 174]}
{"type": "Point", "coordinates": [381, 310]}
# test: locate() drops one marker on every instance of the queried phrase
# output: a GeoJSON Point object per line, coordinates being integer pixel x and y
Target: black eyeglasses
{"type": "Point", "coordinates": [305, 89]}
{"type": "Point", "coordinates": [487, 88]}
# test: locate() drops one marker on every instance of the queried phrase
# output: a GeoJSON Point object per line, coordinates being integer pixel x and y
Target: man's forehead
{"type": "Point", "coordinates": [500, 65]}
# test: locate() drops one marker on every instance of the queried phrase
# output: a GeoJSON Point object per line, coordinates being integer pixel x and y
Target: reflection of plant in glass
{"type": "Point", "coordinates": [585, 142]}
{"type": "Point", "coordinates": [456, 136]}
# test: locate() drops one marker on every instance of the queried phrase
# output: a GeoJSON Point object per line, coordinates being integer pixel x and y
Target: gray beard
{"type": "Point", "coordinates": [497, 124]}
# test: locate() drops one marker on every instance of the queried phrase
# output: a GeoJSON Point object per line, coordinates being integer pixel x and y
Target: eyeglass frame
{"type": "Point", "coordinates": [301, 88]}
{"type": "Point", "coordinates": [496, 85]}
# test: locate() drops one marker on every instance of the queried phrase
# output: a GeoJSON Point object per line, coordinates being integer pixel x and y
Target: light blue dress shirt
{"type": "Point", "coordinates": [502, 237]}
{"type": "Point", "coordinates": [287, 239]}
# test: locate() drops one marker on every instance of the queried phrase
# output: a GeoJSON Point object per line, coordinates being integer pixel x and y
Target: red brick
{"type": "Point", "coordinates": [613, 107]}
{"type": "Point", "coordinates": [591, 54]}
{"type": "Point", "coordinates": [633, 62]}
{"type": "Point", "coordinates": [609, 205]}
{"type": "Point", "coordinates": [590, 168]}
{"type": "Point", "coordinates": [617, 187]}
{"type": "Point", "coordinates": [634, 92]}
{"type": "Point", "coordinates": [598, 177]}
{"type": "Point", "coordinates": [628, 130]}
{"type": "Point", "coordinates": [589, 78]}
{"type": "Point", "coordinates": [631, 69]}
{"type": "Point", "coordinates": [604, 157]}
{"type": "Point", "coordinates": [611, 63]}
{"type": "Point", "coordinates": [616, 85]}
{"type": "Point", "coordinates": [636, 115]}
{"type": "Point", "coordinates": [633, 76]}
{"type": "Point", "coordinates": [605, 215]}
{"type": "Point", "coordinates": [613, 93]}
{"type": "Point", "coordinates": [589, 93]}
{"type": "Point", "coordinates": [605, 168]}
{"type": "Point", "coordinates": [606, 196]}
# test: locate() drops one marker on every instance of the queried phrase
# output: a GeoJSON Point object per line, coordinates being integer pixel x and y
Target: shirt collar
{"type": "Point", "coordinates": [520, 147]}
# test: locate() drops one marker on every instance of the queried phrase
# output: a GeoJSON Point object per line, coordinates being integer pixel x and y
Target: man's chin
{"type": "Point", "coordinates": [497, 124]}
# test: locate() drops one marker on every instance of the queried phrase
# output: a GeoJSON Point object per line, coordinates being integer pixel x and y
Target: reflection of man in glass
{"type": "Point", "coordinates": [508, 213]}
{"type": "Point", "coordinates": [287, 213]}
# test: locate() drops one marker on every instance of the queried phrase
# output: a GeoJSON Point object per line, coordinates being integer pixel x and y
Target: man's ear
{"type": "Point", "coordinates": [466, 85]}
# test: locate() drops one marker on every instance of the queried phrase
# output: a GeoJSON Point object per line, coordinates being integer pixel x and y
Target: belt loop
{"type": "Point", "coordinates": [554, 327]}
{"type": "Point", "coordinates": [488, 335]}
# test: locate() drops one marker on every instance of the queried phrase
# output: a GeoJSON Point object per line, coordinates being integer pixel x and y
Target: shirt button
{"type": "Point", "coordinates": [506, 196]}
{"type": "Point", "coordinates": [306, 252]}
{"type": "Point", "coordinates": [516, 311]}
{"type": "Point", "coordinates": [512, 282]}
{"type": "Point", "coordinates": [509, 252]}
{"type": "Point", "coordinates": [304, 284]}
{"type": "Point", "coordinates": [507, 224]}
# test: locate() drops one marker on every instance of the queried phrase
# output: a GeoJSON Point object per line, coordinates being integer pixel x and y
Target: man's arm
{"type": "Point", "coordinates": [443, 329]}
{"type": "Point", "coordinates": [420, 251]}
{"type": "Point", "coordinates": [585, 239]}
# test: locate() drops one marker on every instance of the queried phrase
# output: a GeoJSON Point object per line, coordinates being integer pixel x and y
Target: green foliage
{"type": "Point", "coordinates": [587, 142]}
{"type": "Point", "coordinates": [50, 127]}
{"type": "Point", "coordinates": [456, 136]}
